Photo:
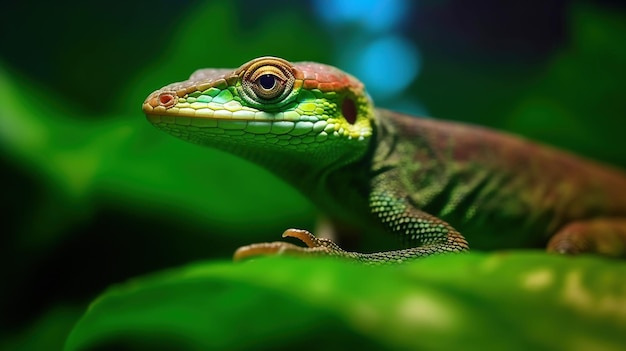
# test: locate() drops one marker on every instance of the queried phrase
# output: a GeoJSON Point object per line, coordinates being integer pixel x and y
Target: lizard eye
{"type": "Point", "coordinates": [267, 81]}
{"type": "Point", "coordinates": [268, 86]}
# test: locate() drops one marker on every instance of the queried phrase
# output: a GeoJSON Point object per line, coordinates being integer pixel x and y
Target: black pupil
{"type": "Point", "coordinates": [267, 81]}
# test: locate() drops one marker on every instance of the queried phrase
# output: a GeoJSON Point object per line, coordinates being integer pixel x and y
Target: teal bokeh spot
{"type": "Point", "coordinates": [387, 66]}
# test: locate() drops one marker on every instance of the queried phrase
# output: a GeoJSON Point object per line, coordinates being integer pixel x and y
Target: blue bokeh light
{"type": "Point", "coordinates": [386, 66]}
{"type": "Point", "coordinates": [374, 15]}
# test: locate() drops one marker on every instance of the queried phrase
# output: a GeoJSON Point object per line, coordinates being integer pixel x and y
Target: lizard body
{"type": "Point", "coordinates": [437, 185]}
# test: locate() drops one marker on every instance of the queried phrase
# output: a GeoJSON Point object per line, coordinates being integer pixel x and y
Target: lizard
{"type": "Point", "coordinates": [439, 186]}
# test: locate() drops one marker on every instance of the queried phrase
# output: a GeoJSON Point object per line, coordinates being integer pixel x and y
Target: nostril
{"type": "Point", "coordinates": [167, 99]}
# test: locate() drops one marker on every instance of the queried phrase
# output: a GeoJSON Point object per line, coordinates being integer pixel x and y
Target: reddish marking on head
{"type": "Point", "coordinates": [167, 99]}
{"type": "Point", "coordinates": [325, 78]}
{"type": "Point", "coordinates": [348, 109]}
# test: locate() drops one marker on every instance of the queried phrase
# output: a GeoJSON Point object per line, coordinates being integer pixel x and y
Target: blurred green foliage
{"type": "Point", "coordinates": [94, 195]}
{"type": "Point", "coordinates": [468, 301]}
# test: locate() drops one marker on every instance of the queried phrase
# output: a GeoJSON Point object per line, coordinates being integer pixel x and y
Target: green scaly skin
{"type": "Point", "coordinates": [377, 172]}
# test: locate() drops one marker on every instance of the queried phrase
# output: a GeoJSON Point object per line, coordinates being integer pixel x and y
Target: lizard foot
{"type": "Point", "coordinates": [315, 246]}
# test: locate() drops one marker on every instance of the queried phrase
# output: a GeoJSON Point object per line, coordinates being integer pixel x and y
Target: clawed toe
{"type": "Point", "coordinates": [315, 246]}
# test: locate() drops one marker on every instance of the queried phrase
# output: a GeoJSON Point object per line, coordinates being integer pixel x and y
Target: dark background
{"type": "Point", "coordinates": [93, 195]}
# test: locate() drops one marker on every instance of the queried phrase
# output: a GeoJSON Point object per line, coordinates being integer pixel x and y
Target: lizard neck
{"type": "Point", "coordinates": [306, 171]}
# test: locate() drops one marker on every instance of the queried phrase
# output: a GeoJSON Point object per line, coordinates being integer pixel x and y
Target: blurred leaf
{"type": "Point", "coordinates": [524, 300]}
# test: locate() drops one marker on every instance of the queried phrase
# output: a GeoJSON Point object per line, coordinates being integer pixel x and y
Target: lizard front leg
{"type": "Point", "coordinates": [428, 234]}
{"type": "Point", "coordinates": [604, 236]}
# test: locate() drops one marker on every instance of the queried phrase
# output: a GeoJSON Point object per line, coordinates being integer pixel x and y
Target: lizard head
{"type": "Point", "coordinates": [269, 109]}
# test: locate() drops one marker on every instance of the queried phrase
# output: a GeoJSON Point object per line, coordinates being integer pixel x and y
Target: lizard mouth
{"type": "Point", "coordinates": [167, 111]}
{"type": "Point", "coordinates": [225, 124]}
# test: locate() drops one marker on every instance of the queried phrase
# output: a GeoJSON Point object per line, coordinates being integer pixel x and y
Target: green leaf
{"type": "Point", "coordinates": [498, 301]}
